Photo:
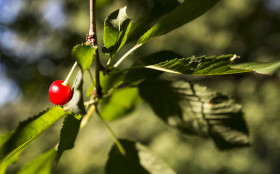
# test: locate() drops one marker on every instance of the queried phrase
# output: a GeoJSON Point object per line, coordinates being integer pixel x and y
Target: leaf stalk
{"type": "Point", "coordinates": [127, 54]}
{"type": "Point", "coordinates": [118, 143]}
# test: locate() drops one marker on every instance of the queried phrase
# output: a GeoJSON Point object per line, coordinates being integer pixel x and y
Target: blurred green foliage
{"type": "Point", "coordinates": [36, 38]}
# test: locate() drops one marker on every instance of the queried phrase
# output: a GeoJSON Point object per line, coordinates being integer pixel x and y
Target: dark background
{"type": "Point", "coordinates": [36, 38]}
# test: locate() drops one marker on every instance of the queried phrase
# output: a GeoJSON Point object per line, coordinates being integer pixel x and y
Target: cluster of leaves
{"type": "Point", "coordinates": [189, 108]}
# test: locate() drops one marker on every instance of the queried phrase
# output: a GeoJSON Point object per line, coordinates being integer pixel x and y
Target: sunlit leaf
{"type": "Point", "coordinates": [40, 165]}
{"type": "Point", "coordinates": [138, 160]}
{"type": "Point", "coordinates": [90, 89]}
{"type": "Point", "coordinates": [119, 104]}
{"type": "Point", "coordinates": [135, 74]}
{"type": "Point", "coordinates": [110, 81]}
{"type": "Point", "coordinates": [194, 109]}
{"type": "Point", "coordinates": [199, 65]}
{"type": "Point", "coordinates": [121, 100]}
{"type": "Point", "coordinates": [3, 167]}
{"type": "Point", "coordinates": [83, 54]}
{"type": "Point", "coordinates": [258, 67]}
{"type": "Point", "coordinates": [116, 29]}
{"type": "Point", "coordinates": [29, 130]}
{"type": "Point", "coordinates": [76, 104]}
{"type": "Point", "coordinates": [182, 14]}
{"type": "Point", "coordinates": [68, 133]}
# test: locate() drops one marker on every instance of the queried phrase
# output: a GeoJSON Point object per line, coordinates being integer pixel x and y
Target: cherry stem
{"type": "Point", "coordinates": [117, 142]}
{"type": "Point", "coordinates": [65, 83]}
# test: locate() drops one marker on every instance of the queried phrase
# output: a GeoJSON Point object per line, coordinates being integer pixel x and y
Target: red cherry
{"type": "Point", "coordinates": [60, 94]}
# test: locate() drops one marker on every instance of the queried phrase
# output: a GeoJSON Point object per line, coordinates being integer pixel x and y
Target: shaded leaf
{"type": "Point", "coordinates": [76, 104]}
{"type": "Point", "coordinates": [199, 65]}
{"type": "Point", "coordinates": [159, 8]}
{"type": "Point", "coordinates": [116, 29]}
{"type": "Point", "coordinates": [119, 104]}
{"type": "Point", "coordinates": [29, 130]}
{"type": "Point", "coordinates": [182, 14]}
{"type": "Point", "coordinates": [83, 54]}
{"type": "Point", "coordinates": [40, 165]}
{"type": "Point", "coordinates": [68, 134]}
{"type": "Point", "coordinates": [262, 68]}
{"type": "Point", "coordinates": [101, 3]}
{"type": "Point", "coordinates": [151, 162]}
{"type": "Point", "coordinates": [138, 160]}
{"type": "Point", "coordinates": [194, 109]}
{"type": "Point", "coordinates": [162, 97]}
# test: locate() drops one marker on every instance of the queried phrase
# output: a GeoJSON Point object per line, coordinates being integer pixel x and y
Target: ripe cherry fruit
{"type": "Point", "coordinates": [59, 93]}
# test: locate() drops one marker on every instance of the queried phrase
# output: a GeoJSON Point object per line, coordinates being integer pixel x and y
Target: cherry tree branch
{"type": "Point", "coordinates": [92, 39]}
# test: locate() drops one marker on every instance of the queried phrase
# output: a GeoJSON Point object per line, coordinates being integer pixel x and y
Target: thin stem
{"type": "Point", "coordinates": [87, 116]}
{"type": "Point", "coordinates": [97, 76]}
{"type": "Point", "coordinates": [118, 143]}
{"type": "Point", "coordinates": [91, 78]}
{"type": "Point", "coordinates": [127, 54]}
{"type": "Point", "coordinates": [118, 86]}
{"type": "Point", "coordinates": [65, 83]}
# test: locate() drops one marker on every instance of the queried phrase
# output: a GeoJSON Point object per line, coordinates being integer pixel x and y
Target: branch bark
{"type": "Point", "coordinates": [92, 39]}
{"type": "Point", "coordinates": [92, 17]}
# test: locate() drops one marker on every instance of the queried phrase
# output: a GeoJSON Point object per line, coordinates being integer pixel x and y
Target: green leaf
{"type": "Point", "coordinates": [110, 81]}
{"type": "Point", "coordinates": [68, 133]}
{"type": "Point", "coordinates": [29, 130]}
{"type": "Point", "coordinates": [142, 73]}
{"type": "Point", "coordinates": [138, 160]}
{"type": "Point", "coordinates": [101, 3]}
{"type": "Point", "coordinates": [83, 54]}
{"type": "Point", "coordinates": [116, 29]}
{"type": "Point", "coordinates": [159, 8]}
{"type": "Point", "coordinates": [194, 109]}
{"type": "Point", "coordinates": [3, 167]}
{"type": "Point", "coordinates": [199, 65]}
{"type": "Point", "coordinates": [90, 89]}
{"type": "Point", "coordinates": [40, 165]}
{"type": "Point", "coordinates": [162, 97]}
{"type": "Point", "coordinates": [119, 104]}
{"type": "Point", "coordinates": [258, 67]}
{"type": "Point", "coordinates": [151, 162]}
{"type": "Point", "coordinates": [120, 100]}
{"type": "Point", "coordinates": [76, 104]}
{"type": "Point", "coordinates": [182, 14]}
{"type": "Point", "coordinates": [8, 162]}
